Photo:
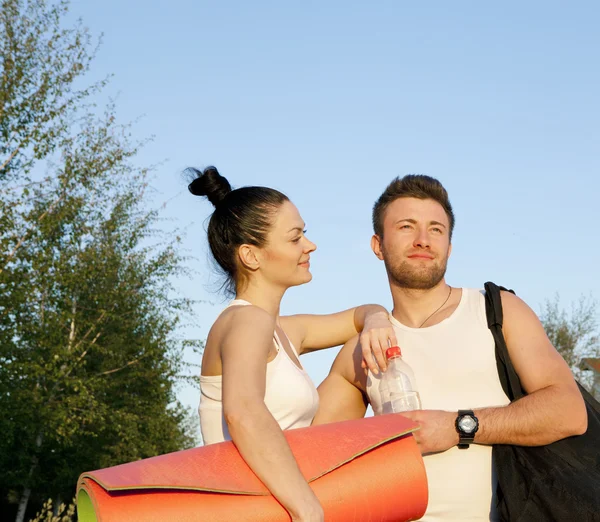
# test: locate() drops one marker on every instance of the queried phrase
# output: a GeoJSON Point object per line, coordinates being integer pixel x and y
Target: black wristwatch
{"type": "Point", "coordinates": [466, 426]}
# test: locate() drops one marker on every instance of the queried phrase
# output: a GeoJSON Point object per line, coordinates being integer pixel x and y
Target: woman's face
{"type": "Point", "coordinates": [285, 259]}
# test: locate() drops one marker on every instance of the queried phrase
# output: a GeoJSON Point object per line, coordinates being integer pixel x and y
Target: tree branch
{"type": "Point", "coordinates": [130, 363]}
{"type": "Point", "coordinates": [72, 332]}
{"type": "Point", "coordinates": [24, 236]}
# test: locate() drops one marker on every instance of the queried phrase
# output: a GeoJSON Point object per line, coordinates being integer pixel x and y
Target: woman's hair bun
{"type": "Point", "coordinates": [209, 183]}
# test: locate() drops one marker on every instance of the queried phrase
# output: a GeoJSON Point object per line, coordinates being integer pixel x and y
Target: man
{"type": "Point", "coordinates": [444, 337]}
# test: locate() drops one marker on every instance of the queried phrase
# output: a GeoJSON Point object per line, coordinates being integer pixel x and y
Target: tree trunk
{"type": "Point", "coordinates": [23, 505]}
{"type": "Point", "coordinates": [27, 491]}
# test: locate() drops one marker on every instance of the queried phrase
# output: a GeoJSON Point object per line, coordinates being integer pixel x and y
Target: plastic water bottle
{"type": "Point", "coordinates": [398, 387]}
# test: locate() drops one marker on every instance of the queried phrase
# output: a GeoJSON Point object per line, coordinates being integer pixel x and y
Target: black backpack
{"type": "Point", "coordinates": [557, 482]}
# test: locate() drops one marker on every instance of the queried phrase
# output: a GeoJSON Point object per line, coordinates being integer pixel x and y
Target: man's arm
{"type": "Point", "coordinates": [340, 394]}
{"type": "Point", "coordinates": [552, 410]}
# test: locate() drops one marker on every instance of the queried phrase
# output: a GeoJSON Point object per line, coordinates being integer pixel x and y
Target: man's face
{"type": "Point", "coordinates": [416, 243]}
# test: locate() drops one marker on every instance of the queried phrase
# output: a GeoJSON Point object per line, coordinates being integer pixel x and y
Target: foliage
{"type": "Point", "coordinates": [89, 351]}
{"type": "Point", "coordinates": [574, 334]}
{"type": "Point", "coordinates": [62, 513]}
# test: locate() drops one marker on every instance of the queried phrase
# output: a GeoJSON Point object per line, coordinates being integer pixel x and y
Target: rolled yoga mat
{"type": "Point", "coordinates": [361, 470]}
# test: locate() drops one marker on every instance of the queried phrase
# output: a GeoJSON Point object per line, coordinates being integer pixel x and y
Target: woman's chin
{"type": "Point", "coordinates": [305, 278]}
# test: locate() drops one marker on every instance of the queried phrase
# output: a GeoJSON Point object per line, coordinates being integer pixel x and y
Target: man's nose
{"type": "Point", "coordinates": [422, 239]}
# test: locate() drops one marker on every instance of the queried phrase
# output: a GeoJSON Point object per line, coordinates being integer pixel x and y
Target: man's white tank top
{"type": "Point", "coordinates": [455, 368]}
{"type": "Point", "coordinates": [290, 395]}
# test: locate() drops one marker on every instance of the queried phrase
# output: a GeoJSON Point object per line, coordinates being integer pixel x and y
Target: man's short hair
{"type": "Point", "coordinates": [417, 186]}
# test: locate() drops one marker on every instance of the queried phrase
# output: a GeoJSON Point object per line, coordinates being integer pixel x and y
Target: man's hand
{"type": "Point", "coordinates": [437, 432]}
{"type": "Point", "coordinates": [377, 336]}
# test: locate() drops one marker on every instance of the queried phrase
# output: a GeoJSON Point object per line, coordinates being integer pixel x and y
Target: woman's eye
{"type": "Point", "coordinates": [299, 237]}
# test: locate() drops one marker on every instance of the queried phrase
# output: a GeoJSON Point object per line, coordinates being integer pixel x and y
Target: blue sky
{"type": "Point", "coordinates": [328, 101]}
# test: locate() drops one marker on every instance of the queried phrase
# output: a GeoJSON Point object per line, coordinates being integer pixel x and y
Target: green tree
{"type": "Point", "coordinates": [89, 351]}
{"type": "Point", "coordinates": [89, 371]}
{"type": "Point", "coordinates": [574, 334]}
{"type": "Point", "coordinates": [40, 63]}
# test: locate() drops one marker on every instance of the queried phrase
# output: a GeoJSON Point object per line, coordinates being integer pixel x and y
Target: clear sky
{"type": "Point", "coordinates": [328, 101]}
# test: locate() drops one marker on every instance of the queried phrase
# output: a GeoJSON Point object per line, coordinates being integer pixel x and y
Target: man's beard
{"type": "Point", "coordinates": [407, 275]}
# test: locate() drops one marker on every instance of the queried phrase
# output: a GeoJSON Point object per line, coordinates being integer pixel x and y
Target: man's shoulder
{"type": "Point", "coordinates": [513, 306]}
{"type": "Point", "coordinates": [479, 294]}
{"type": "Point", "coordinates": [472, 307]}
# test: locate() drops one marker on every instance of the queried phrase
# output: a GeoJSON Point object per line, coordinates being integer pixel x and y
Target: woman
{"type": "Point", "coordinates": [252, 383]}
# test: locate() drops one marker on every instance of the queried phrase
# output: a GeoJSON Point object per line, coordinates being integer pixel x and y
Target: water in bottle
{"type": "Point", "coordinates": [397, 386]}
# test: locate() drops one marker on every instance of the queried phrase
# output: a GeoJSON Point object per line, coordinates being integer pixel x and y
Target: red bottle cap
{"type": "Point", "coordinates": [394, 351]}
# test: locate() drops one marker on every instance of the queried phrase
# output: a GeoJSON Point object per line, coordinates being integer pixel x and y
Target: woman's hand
{"type": "Point", "coordinates": [376, 337]}
{"type": "Point", "coordinates": [311, 513]}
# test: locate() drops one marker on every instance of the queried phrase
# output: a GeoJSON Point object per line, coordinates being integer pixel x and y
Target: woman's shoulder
{"type": "Point", "coordinates": [243, 319]}
{"type": "Point", "coordinates": [237, 311]}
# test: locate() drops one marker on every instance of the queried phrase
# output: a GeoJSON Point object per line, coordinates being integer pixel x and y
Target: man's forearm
{"type": "Point", "coordinates": [543, 417]}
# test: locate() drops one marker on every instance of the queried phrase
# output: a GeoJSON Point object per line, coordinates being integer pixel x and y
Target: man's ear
{"type": "Point", "coordinates": [248, 257]}
{"type": "Point", "coordinates": [376, 246]}
{"type": "Point", "coordinates": [449, 249]}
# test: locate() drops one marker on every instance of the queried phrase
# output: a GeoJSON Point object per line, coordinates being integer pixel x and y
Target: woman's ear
{"type": "Point", "coordinates": [249, 257]}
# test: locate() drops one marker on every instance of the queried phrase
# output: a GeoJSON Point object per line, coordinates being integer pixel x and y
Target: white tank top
{"type": "Point", "coordinates": [455, 368]}
{"type": "Point", "coordinates": [290, 395]}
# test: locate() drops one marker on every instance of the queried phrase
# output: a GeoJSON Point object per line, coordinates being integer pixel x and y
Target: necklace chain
{"type": "Point", "coordinates": [438, 309]}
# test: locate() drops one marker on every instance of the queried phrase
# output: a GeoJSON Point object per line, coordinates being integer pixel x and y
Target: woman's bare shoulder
{"type": "Point", "coordinates": [243, 321]}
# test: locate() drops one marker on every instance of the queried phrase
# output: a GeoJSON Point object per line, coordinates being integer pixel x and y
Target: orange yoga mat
{"type": "Point", "coordinates": [361, 470]}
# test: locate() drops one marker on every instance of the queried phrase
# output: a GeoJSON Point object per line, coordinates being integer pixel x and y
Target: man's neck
{"type": "Point", "coordinates": [414, 307]}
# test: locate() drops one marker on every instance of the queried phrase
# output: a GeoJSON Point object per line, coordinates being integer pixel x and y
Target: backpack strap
{"type": "Point", "coordinates": [511, 384]}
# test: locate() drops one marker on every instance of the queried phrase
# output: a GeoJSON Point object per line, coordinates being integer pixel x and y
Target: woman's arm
{"type": "Point", "coordinates": [315, 332]}
{"type": "Point", "coordinates": [245, 347]}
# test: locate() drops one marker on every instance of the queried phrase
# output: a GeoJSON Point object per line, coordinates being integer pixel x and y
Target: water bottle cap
{"type": "Point", "coordinates": [394, 351]}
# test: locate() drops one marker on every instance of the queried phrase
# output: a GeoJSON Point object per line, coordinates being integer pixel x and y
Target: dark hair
{"type": "Point", "coordinates": [241, 216]}
{"type": "Point", "coordinates": [411, 186]}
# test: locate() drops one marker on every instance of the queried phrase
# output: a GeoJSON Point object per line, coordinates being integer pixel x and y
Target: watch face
{"type": "Point", "coordinates": [467, 424]}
